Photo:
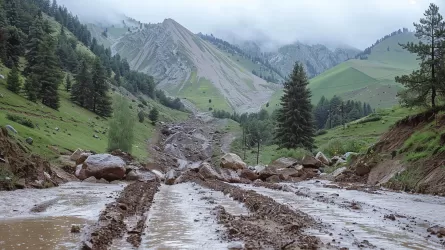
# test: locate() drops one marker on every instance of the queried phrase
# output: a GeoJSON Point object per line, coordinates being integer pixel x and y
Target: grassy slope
{"type": "Point", "coordinates": [76, 125]}
{"type": "Point", "coordinates": [369, 80]}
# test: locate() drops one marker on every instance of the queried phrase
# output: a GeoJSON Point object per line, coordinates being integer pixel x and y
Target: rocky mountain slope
{"type": "Point", "coordinates": [315, 58]}
{"type": "Point", "coordinates": [189, 67]}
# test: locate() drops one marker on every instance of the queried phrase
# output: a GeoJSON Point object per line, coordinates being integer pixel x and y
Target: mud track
{"type": "Point", "coordinates": [269, 226]}
{"type": "Point", "coordinates": [134, 200]}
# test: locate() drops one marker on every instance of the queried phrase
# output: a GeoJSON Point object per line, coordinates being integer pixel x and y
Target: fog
{"type": "Point", "coordinates": [357, 23]}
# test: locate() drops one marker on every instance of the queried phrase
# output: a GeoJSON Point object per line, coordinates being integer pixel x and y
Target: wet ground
{"type": "Point", "coordinates": [56, 209]}
{"type": "Point", "coordinates": [356, 219]}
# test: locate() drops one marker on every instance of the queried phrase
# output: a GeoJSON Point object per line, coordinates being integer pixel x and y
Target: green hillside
{"type": "Point", "coordinates": [370, 80]}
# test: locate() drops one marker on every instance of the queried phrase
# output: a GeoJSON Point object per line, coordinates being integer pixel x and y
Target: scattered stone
{"type": "Point", "coordinates": [90, 179]}
{"type": "Point", "coordinates": [338, 171]}
{"type": "Point", "coordinates": [76, 154]}
{"type": "Point", "coordinates": [29, 140]}
{"type": "Point", "coordinates": [103, 181]}
{"type": "Point", "coordinates": [321, 157]}
{"type": "Point", "coordinates": [82, 158]}
{"type": "Point", "coordinates": [310, 162]}
{"type": "Point", "coordinates": [248, 174]}
{"type": "Point", "coordinates": [273, 179]}
{"type": "Point", "coordinates": [436, 230]}
{"type": "Point", "coordinates": [232, 161]}
{"type": "Point", "coordinates": [159, 174]}
{"type": "Point", "coordinates": [348, 154]}
{"type": "Point", "coordinates": [362, 169]}
{"type": "Point", "coordinates": [284, 162]}
{"type": "Point", "coordinates": [96, 136]}
{"type": "Point", "coordinates": [21, 183]}
{"type": "Point", "coordinates": [2, 77]}
{"type": "Point", "coordinates": [132, 176]}
{"type": "Point", "coordinates": [390, 217]}
{"type": "Point", "coordinates": [235, 246]}
{"type": "Point", "coordinates": [11, 128]}
{"type": "Point", "coordinates": [170, 177]}
{"type": "Point", "coordinates": [75, 228]}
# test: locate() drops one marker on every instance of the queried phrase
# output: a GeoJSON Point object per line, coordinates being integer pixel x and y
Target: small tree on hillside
{"type": "Point", "coordinates": [13, 81]}
{"type": "Point", "coordinates": [153, 115]}
{"type": "Point", "coordinates": [141, 116]}
{"type": "Point", "coordinates": [295, 123]}
{"type": "Point", "coordinates": [121, 132]}
{"type": "Point", "coordinates": [68, 83]}
{"type": "Point", "coordinates": [422, 85]}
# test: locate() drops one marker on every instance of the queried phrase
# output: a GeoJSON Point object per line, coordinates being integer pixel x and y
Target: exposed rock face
{"type": "Point", "coordinates": [232, 161]}
{"type": "Point", "coordinates": [316, 58]}
{"type": "Point", "coordinates": [174, 56]}
{"type": "Point", "coordinates": [104, 166]}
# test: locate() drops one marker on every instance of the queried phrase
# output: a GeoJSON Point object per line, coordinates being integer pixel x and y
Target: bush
{"type": "Point", "coordinates": [321, 132]}
{"type": "Point", "coordinates": [292, 153]}
{"type": "Point", "coordinates": [339, 147]}
{"type": "Point", "coordinates": [120, 134]}
{"type": "Point", "coordinates": [370, 118]}
{"type": "Point", "coordinates": [21, 120]}
{"type": "Point", "coordinates": [140, 105]}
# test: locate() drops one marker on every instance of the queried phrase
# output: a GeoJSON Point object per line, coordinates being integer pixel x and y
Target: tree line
{"type": "Point", "coordinates": [25, 31]}
{"type": "Point", "coordinates": [364, 55]}
{"type": "Point", "coordinates": [332, 113]}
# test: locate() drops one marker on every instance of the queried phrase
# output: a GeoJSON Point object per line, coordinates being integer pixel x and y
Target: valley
{"type": "Point", "coordinates": [186, 132]}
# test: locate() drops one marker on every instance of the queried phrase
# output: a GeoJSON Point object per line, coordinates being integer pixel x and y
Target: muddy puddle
{"type": "Point", "coordinates": [364, 226]}
{"type": "Point", "coordinates": [42, 219]}
{"type": "Point", "coordinates": [181, 217]}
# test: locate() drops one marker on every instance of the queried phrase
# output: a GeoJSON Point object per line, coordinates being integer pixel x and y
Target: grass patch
{"type": "Point", "coordinates": [408, 179]}
{"type": "Point", "coordinates": [21, 120]}
{"type": "Point", "coordinates": [340, 147]}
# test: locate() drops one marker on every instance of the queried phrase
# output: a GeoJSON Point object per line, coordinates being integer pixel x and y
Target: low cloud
{"type": "Point", "coordinates": [358, 23]}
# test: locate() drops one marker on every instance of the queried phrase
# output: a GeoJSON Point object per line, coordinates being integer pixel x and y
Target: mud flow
{"type": "Point", "coordinates": [364, 220]}
{"type": "Point", "coordinates": [182, 218]}
{"type": "Point", "coordinates": [42, 219]}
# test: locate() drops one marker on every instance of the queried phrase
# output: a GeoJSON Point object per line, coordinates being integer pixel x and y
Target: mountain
{"type": "Point", "coordinates": [370, 79]}
{"type": "Point", "coordinates": [315, 58]}
{"type": "Point", "coordinates": [187, 66]}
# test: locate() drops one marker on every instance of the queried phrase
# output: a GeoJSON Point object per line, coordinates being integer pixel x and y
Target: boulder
{"type": "Point", "coordinates": [284, 162]}
{"type": "Point", "coordinates": [273, 179]}
{"type": "Point", "coordinates": [90, 179]}
{"type": "Point", "coordinates": [133, 175]}
{"type": "Point", "coordinates": [158, 174]}
{"type": "Point", "coordinates": [80, 172]}
{"type": "Point", "coordinates": [232, 161]}
{"type": "Point", "coordinates": [29, 140]}
{"type": "Point", "coordinates": [267, 172]}
{"type": "Point", "coordinates": [321, 157]}
{"type": "Point", "coordinates": [248, 174]}
{"type": "Point", "coordinates": [362, 169]}
{"type": "Point", "coordinates": [207, 172]}
{"type": "Point", "coordinates": [21, 183]}
{"type": "Point", "coordinates": [338, 171]}
{"type": "Point", "coordinates": [337, 159]}
{"type": "Point", "coordinates": [11, 128]}
{"type": "Point", "coordinates": [285, 173]}
{"type": "Point", "coordinates": [75, 228]}
{"type": "Point", "coordinates": [104, 166]}
{"type": "Point", "coordinates": [76, 154]}
{"type": "Point", "coordinates": [310, 162]}
{"type": "Point", "coordinates": [437, 230]}
{"type": "Point", "coordinates": [82, 158]}
{"type": "Point", "coordinates": [348, 154]}
{"type": "Point", "coordinates": [170, 177]}
{"type": "Point", "coordinates": [230, 175]}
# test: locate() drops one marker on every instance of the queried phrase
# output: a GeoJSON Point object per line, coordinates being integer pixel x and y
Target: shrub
{"type": "Point", "coordinates": [340, 147]}
{"type": "Point", "coordinates": [321, 132]}
{"type": "Point", "coordinates": [370, 118]}
{"type": "Point", "coordinates": [120, 134]}
{"type": "Point", "coordinates": [140, 105]}
{"type": "Point", "coordinates": [21, 120]}
{"type": "Point", "coordinates": [292, 153]}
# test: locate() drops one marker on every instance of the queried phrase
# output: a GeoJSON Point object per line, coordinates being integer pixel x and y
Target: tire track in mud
{"type": "Point", "coordinates": [269, 226]}
{"type": "Point", "coordinates": [134, 201]}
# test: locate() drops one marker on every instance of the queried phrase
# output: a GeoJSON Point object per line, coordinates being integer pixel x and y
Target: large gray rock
{"type": "Point", "coordinates": [80, 172]}
{"type": "Point", "coordinates": [208, 172]}
{"type": "Point", "coordinates": [321, 157]}
{"type": "Point", "coordinates": [338, 171]}
{"type": "Point", "coordinates": [230, 175]}
{"type": "Point", "coordinates": [133, 175]}
{"type": "Point", "coordinates": [90, 179]}
{"type": "Point", "coordinates": [104, 166]}
{"type": "Point", "coordinates": [158, 174]}
{"type": "Point", "coordinates": [29, 140]}
{"type": "Point", "coordinates": [248, 174]}
{"type": "Point", "coordinates": [232, 161]}
{"type": "Point", "coordinates": [284, 162]}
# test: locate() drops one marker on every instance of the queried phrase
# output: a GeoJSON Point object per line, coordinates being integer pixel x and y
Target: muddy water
{"type": "Point", "coordinates": [181, 218]}
{"type": "Point", "coordinates": [366, 227]}
{"type": "Point", "coordinates": [60, 207]}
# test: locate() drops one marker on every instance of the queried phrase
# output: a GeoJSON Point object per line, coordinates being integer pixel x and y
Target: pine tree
{"type": "Point", "coordinates": [422, 86]}
{"type": "Point", "coordinates": [13, 81]}
{"type": "Point", "coordinates": [321, 112]}
{"type": "Point", "coordinates": [101, 103]}
{"type": "Point", "coordinates": [35, 39]}
{"type": "Point", "coordinates": [121, 132]}
{"type": "Point", "coordinates": [49, 73]}
{"type": "Point", "coordinates": [32, 87]}
{"type": "Point", "coordinates": [81, 89]}
{"type": "Point", "coordinates": [68, 83]}
{"type": "Point", "coordinates": [295, 123]}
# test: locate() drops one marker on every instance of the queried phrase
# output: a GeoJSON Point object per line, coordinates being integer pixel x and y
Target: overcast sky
{"type": "Point", "coordinates": [353, 22]}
